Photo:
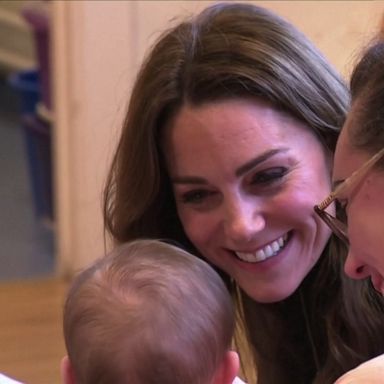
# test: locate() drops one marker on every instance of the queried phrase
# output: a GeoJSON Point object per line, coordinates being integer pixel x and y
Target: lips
{"type": "Point", "coordinates": [270, 250]}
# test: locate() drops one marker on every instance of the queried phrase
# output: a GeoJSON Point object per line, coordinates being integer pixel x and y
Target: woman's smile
{"type": "Point", "coordinates": [270, 250]}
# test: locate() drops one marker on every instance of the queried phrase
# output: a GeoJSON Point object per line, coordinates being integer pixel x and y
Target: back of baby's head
{"type": "Point", "coordinates": [148, 312]}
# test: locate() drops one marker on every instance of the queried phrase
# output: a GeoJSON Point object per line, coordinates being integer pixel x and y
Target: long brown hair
{"type": "Point", "coordinates": [367, 90]}
{"type": "Point", "coordinates": [234, 50]}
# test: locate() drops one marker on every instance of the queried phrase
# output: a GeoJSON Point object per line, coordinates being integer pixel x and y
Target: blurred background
{"type": "Point", "coordinates": [26, 199]}
{"type": "Point", "coordinates": [66, 70]}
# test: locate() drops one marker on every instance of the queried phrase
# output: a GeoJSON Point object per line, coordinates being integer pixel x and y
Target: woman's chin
{"type": "Point", "coordinates": [269, 295]}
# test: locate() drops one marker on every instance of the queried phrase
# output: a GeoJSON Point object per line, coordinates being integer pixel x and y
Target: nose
{"type": "Point", "coordinates": [244, 219]}
{"type": "Point", "coordinates": [355, 268]}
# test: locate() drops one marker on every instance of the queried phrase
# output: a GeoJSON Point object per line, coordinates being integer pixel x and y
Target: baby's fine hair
{"type": "Point", "coordinates": [148, 312]}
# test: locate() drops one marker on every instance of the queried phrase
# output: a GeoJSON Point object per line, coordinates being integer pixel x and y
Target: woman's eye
{"type": "Point", "coordinates": [269, 176]}
{"type": "Point", "coordinates": [195, 197]}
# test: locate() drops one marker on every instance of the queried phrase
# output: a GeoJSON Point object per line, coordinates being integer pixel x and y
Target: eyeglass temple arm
{"type": "Point", "coordinates": [333, 195]}
{"type": "Point", "coordinates": [357, 175]}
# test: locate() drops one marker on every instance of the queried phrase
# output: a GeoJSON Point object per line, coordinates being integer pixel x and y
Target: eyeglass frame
{"type": "Point", "coordinates": [336, 225]}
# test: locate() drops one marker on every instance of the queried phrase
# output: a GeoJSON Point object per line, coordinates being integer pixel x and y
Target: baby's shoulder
{"type": "Point", "coordinates": [7, 380]}
{"type": "Point", "coordinates": [236, 381]}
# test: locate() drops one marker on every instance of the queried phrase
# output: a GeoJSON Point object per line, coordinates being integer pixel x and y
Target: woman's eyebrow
{"type": "Point", "coordinates": [239, 171]}
{"type": "Point", "coordinates": [257, 160]}
{"type": "Point", "coordinates": [188, 180]}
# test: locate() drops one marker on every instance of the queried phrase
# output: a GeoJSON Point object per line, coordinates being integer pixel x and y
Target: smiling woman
{"type": "Point", "coordinates": [237, 206]}
{"type": "Point", "coordinates": [226, 146]}
{"type": "Point", "coordinates": [358, 169]}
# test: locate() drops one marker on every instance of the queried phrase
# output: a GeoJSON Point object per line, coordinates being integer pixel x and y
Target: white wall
{"type": "Point", "coordinates": [98, 46]}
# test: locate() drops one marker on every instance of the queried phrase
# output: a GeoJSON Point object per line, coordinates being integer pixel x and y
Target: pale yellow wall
{"type": "Point", "coordinates": [337, 27]}
{"type": "Point", "coordinates": [92, 54]}
{"type": "Point", "coordinates": [98, 46]}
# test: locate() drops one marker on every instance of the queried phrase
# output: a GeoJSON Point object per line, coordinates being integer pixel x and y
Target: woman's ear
{"type": "Point", "coordinates": [67, 374]}
{"type": "Point", "coordinates": [228, 369]}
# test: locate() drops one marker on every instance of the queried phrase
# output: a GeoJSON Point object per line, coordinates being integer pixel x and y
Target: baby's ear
{"type": "Point", "coordinates": [228, 369]}
{"type": "Point", "coordinates": [67, 374]}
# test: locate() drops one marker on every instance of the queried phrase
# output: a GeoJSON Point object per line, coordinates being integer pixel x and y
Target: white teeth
{"type": "Point", "coordinates": [262, 254]}
{"type": "Point", "coordinates": [249, 257]}
{"type": "Point", "coordinates": [268, 251]}
{"type": "Point", "coordinates": [275, 246]}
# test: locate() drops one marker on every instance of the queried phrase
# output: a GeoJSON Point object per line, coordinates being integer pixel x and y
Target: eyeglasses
{"type": "Point", "coordinates": [338, 225]}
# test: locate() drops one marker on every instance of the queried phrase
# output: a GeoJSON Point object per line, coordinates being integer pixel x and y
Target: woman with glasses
{"type": "Point", "coordinates": [226, 147]}
{"type": "Point", "coordinates": [358, 174]}
{"type": "Point", "coordinates": [358, 178]}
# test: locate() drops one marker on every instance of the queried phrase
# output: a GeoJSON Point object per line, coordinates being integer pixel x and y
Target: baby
{"type": "Point", "coordinates": [146, 313]}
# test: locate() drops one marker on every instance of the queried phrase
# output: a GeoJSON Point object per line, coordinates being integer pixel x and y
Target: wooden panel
{"type": "Point", "coordinates": [92, 57]}
{"type": "Point", "coordinates": [31, 343]}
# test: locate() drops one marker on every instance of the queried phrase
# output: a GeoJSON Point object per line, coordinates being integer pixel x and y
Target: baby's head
{"type": "Point", "coordinates": [149, 312]}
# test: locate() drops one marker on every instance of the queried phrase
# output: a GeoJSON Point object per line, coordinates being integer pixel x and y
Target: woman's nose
{"type": "Point", "coordinates": [243, 221]}
{"type": "Point", "coordinates": [355, 268]}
